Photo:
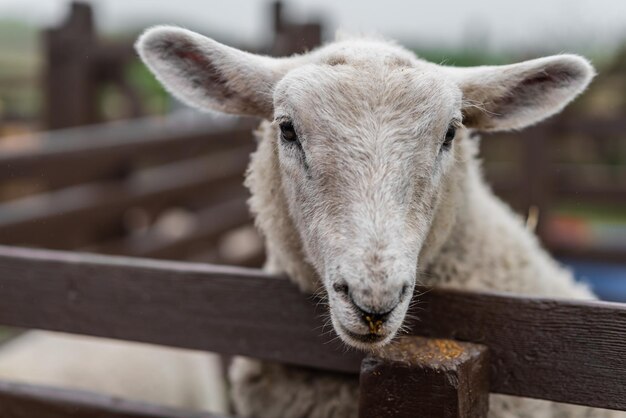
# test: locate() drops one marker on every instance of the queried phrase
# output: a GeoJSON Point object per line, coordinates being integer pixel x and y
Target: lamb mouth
{"type": "Point", "coordinates": [368, 338]}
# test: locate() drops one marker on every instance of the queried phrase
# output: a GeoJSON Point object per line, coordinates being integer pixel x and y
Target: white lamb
{"type": "Point", "coordinates": [366, 181]}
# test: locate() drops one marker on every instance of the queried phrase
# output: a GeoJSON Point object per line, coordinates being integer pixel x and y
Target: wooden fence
{"type": "Point", "coordinates": [78, 63]}
{"type": "Point", "coordinates": [535, 176]}
{"type": "Point", "coordinates": [77, 188]}
{"type": "Point", "coordinates": [558, 350]}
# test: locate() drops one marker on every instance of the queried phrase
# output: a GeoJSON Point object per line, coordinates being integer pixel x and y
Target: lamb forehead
{"type": "Point", "coordinates": [363, 50]}
{"type": "Point", "coordinates": [345, 76]}
{"type": "Point", "coordinates": [320, 94]}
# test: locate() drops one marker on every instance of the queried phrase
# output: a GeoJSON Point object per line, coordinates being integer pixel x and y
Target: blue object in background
{"type": "Point", "coordinates": [607, 280]}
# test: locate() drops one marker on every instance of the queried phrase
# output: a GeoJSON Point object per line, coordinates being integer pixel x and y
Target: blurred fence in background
{"type": "Point", "coordinates": [171, 187]}
{"type": "Point", "coordinates": [543, 178]}
{"type": "Point", "coordinates": [79, 65]}
{"type": "Point", "coordinates": [151, 187]}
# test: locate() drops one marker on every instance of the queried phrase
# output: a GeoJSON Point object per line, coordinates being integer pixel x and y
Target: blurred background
{"type": "Point", "coordinates": [95, 156]}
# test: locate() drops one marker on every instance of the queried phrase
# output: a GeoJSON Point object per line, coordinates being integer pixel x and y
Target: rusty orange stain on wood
{"type": "Point", "coordinates": [423, 350]}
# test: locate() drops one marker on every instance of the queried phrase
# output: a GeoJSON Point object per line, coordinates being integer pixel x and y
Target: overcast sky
{"type": "Point", "coordinates": [499, 24]}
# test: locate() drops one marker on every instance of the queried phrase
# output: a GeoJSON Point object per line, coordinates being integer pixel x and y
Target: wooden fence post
{"type": "Point", "coordinates": [69, 86]}
{"type": "Point", "coordinates": [290, 37]}
{"type": "Point", "coordinates": [425, 378]}
{"type": "Point", "coordinates": [537, 158]}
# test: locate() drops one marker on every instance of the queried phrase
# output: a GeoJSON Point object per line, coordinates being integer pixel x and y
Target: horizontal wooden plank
{"type": "Point", "coordinates": [187, 305]}
{"type": "Point", "coordinates": [73, 212]}
{"type": "Point", "coordinates": [64, 155]}
{"type": "Point", "coordinates": [208, 225]}
{"type": "Point", "coordinates": [19, 400]}
{"type": "Point", "coordinates": [568, 351]}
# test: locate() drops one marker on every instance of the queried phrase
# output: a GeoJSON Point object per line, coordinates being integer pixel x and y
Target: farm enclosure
{"type": "Point", "coordinates": [170, 188]}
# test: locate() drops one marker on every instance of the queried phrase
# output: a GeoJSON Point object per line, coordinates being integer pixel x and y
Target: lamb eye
{"type": "Point", "coordinates": [287, 132]}
{"type": "Point", "coordinates": [450, 133]}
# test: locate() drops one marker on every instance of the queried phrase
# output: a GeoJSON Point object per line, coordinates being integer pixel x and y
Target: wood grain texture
{"type": "Point", "coordinates": [215, 308]}
{"type": "Point", "coordinates": [561, 350]}
{"type": "Point", "coordinates": [425, 377]}
{"type": "Point", "coordinates": [29, 401]}
{"type": "Point", "coordinates": [557, 350]}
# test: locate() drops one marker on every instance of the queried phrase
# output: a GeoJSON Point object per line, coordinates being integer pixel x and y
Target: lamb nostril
{"type": "Point", "coordinates": [341, 288]}
{"type": "Point", "coordinates": [404, 291]}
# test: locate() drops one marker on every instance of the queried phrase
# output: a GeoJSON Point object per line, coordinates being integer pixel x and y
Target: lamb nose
{"type": "Point", "coordinates": [374, 320]}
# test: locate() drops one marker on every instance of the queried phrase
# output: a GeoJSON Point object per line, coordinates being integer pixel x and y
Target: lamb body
{"type": "Point", "coordinates": [488, 248]}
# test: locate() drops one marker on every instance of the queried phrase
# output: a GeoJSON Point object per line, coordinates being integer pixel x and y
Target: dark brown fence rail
{"type": "Point", "coordinates": [37, 219]}
{"type": "Point", "coordinates": [541, 181]}
{"type": "Point", "coordinates": [73, 154]}
{"type": "Point", "coordinates": [558, 350]}
{"type": "Point", "coordinates": [534, 174]}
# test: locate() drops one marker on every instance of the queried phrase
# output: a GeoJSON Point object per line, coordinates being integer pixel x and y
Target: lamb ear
{"type": "Point", "coordinates": [208, 75]}
{"type": "Point", "coordinates": [514, 96]}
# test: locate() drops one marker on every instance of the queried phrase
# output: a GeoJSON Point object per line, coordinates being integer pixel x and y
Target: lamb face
{"type": "Point", "coordinates": [363, 149]}
{"type": "Point", "coordinates": [364, 134]}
